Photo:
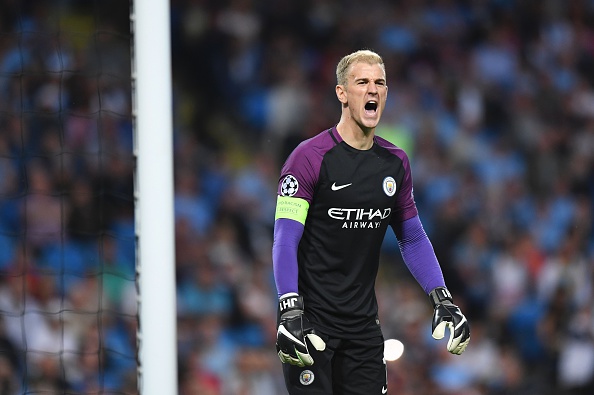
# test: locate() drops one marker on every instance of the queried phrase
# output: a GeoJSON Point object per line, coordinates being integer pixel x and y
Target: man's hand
{"type": "Point", "coordinates": [293, 330]}
{"type": "Point", "coordinates": [448, 315]}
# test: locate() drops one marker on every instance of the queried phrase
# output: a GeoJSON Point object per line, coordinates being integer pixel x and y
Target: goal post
{"type": "Point", "coordinates": [151, 76]}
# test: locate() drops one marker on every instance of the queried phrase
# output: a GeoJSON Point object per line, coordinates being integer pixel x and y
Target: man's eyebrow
{"type": "Point", "coordinates": [381, 79]}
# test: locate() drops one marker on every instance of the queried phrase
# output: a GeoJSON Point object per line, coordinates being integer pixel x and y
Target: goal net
{"type": "Point", "coordinates": [68, 309]}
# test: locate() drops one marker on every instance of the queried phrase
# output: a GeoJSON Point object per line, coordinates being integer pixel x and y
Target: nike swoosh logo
{"type": "Point", "coordinates": [286, 333]}
{"type": "Point", "coordinates": [337, 187]}
{"type": "Point", "coordinates": [384, 390]}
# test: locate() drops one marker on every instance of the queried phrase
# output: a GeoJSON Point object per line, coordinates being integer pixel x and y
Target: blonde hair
{"type": "Point", "coordinates": [363, 55]}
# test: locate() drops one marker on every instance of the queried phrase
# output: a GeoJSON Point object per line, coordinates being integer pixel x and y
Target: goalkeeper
{"type": "Point", "coordinates": [338, 192]}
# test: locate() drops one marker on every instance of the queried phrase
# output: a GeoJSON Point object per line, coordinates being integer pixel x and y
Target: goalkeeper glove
{"type": "Point", "coordinates": [293, 330]}
{"type": "Point", "coordinates": [448, 315]}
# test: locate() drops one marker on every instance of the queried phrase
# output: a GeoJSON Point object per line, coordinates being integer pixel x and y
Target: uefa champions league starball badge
{"type": "Point", "coordinates": [289, 186]}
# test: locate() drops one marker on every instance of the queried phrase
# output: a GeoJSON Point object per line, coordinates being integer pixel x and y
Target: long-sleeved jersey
{"type": "Point", "coordinates": [346, 198]}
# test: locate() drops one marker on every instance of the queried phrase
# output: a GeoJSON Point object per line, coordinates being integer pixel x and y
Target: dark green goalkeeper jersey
{"type": "Point", "coordinates": [353, 196]}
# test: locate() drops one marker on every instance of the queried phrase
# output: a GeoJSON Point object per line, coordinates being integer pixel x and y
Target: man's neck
{"type": "Point", "coordinates": [355, 136]}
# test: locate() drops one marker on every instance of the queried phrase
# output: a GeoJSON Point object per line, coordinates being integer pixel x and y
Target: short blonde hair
{"type": "Point", "coordinates": [363, 55]}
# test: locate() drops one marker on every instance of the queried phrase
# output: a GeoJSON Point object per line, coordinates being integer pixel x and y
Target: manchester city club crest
{"type": "Point", "coordinates": [389, 186]}
{"type": "Point", "coordinates": [306, 377]}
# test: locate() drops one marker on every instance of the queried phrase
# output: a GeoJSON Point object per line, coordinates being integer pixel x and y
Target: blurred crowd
{"type": "Point", "coordinates": [493, 100]}
{"type": "Point", "coordinates": [67, 249]}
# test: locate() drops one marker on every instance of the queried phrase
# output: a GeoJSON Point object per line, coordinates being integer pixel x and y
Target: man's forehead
{"type": "Point", "coordinates": [366, 70]}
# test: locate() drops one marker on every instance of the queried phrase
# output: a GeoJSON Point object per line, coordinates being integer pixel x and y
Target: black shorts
{"type": "Point", "coordinates": [345, 367]}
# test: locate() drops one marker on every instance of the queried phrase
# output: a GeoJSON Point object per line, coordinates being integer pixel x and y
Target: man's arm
{"type": "Point", "coordinates": [287, 234]}
{"type": "Point", "coordinates": [289, 224]}
{"type": "Point", "coordinates": [418, 254]}
{"type": "Point", "coordinates": [419, 257]}
{"type": "Point", "coordinates": [294, 328]}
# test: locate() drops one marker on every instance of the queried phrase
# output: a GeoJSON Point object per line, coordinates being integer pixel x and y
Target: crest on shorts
{"type": "Point", "coordinates": [306, 377]}
{"type": "Point", "coordinates": [289, 186]}
{"type": "Point", "coordinates": [389, 186]}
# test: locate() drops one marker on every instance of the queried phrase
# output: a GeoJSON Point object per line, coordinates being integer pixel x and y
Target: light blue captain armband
{"type": "Point", "coordinates": [291, 208]}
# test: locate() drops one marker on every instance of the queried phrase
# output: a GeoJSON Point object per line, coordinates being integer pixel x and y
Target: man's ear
{"type": "Point", "coordinates": [341, 94]}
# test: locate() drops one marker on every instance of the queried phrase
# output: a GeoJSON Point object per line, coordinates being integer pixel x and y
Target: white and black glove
{"type": "Point", "coordinates": [293, 331]}
{"type": "Point", "coordinates": [447, 315]}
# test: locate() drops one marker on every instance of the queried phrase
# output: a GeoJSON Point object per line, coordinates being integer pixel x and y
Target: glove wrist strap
{"type": "Point", "coordinates": [440, 295]}
{"type": "Point", "coordinates": [290, 302]}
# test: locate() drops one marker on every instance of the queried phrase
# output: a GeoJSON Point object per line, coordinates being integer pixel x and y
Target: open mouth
{"type": "Point", "coordinates": [371, 107]}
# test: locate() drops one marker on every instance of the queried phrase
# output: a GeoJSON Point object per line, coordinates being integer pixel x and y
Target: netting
{"type": "Point", "coordinates": [67, 279]}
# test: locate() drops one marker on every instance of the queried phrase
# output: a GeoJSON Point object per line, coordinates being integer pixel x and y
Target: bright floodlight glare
{"type": "Point", "coordinates": [393, 349]}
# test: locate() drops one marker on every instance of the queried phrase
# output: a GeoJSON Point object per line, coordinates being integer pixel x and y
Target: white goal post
{"type": "Point", "coordinates": [151, 79]}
